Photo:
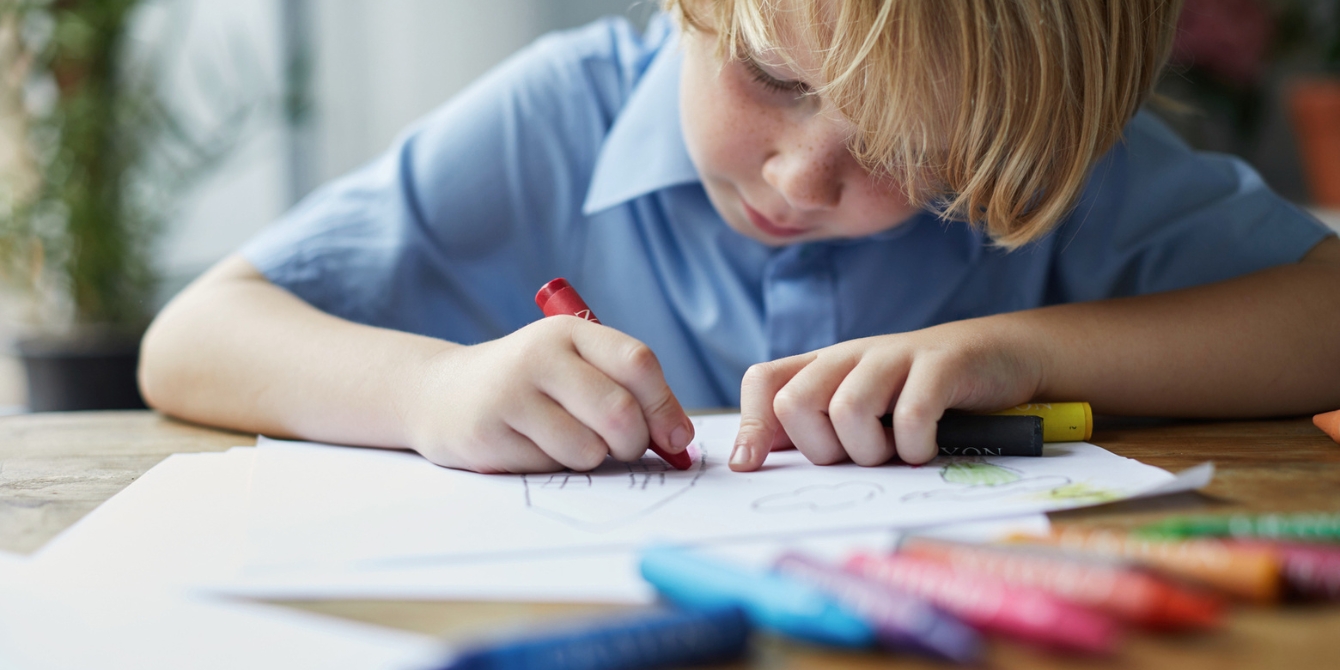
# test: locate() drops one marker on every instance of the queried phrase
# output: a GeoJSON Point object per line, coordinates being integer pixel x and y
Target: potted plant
{"type": "Point", "coordinates": [1240, 69]}
{"type": "Point", "coordinates": [90, 157]}
{"type": "Point", "coordinates": [1314, 106]}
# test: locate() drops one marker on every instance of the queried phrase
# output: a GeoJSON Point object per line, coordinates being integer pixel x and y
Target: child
{"type": "Point", "coordinates": [819, 210]}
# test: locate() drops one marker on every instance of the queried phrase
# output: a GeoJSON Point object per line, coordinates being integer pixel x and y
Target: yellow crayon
{"type": "Point", "coordinates": [1061, 421]}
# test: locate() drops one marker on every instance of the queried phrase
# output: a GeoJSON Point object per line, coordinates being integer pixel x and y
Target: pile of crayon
{"type": "Point", "coordinates": [1075, 591]}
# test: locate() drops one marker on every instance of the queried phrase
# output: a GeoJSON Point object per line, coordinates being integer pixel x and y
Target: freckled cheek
{"type": "Point", "coordinates": [738, 135]}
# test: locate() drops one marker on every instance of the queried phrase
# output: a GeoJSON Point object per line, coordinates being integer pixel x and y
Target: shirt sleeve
{"type": "Point", "coordinates": [450, 232]}
{"type": "Point", "coordinates": [1158, 216]}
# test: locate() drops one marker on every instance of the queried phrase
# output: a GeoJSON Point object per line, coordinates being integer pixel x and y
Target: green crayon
{"type": "Point", "coordinates": [1311, 526]}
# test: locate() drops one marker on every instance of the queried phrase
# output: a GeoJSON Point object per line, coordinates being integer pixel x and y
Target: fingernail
{"type": "Point", "coordinates": [680, 437]}
{"type": "Point", "coordinates": [741, 454]}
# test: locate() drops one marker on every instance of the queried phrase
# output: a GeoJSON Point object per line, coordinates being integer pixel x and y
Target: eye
{"type": "Point", "coordinates": [772, 83]}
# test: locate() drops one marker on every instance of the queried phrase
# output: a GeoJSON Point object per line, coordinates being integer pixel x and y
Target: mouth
{"type": "Point", "coordinates": [766, 225]}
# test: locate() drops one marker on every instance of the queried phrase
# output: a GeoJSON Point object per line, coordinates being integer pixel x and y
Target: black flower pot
{"type": "Point", "coordinates": [91, 369]}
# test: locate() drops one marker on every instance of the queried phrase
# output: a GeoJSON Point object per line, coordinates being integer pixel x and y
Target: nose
{"type": "Point", "coordinates": [807, 167]}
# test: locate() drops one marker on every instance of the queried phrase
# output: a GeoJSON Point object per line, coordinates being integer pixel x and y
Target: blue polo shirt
{"type": "Point", "coordinates": [568, 160]}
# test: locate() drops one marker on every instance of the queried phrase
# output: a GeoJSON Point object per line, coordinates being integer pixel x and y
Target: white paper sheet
{"type": "Point", "coordinates": [69, 624]}
{"type": "Point", "coordinates": [181, 523]}
{"type": "Point", "coordinates": [10, 562]}
{"type": "Point", "coordinates": [608, 576]}
{"type": "Point", "coordinates": [315, 505]}
{"type": "Point", "coordinates": [180, 526]}
{"type": "Point", "coordinates": [1190, 479]}
{"type": "Point", "coordinates": [52, 628]}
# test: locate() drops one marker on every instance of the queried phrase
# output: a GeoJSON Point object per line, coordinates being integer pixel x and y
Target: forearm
{"type": "Point", "coordinates": [234, 350]}
{"type": "Point", "coordinates": [1260, 345]}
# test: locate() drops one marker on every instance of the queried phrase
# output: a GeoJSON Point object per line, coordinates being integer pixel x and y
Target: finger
{"type": "Point", "coordinates": [781, 441]}
{"type": "Point", "coordinates": [559, 435]}
{"type": "Point", "coordinates": [758, 422]}
{"type": "Point", "coordinates": [633, 366]}
{"type": "Point", "coordinates": [498, 451]}
{"type": "Point", "coordinates": [598, 403]}
{"type": "Point", "coordinates": [802, 404]}
{"type": "Point", "coordinates": [865, 395]}
{"type": "Point", "coordinates": [917, 412]}
{"type": "Point", "coordinates": [520, 455]}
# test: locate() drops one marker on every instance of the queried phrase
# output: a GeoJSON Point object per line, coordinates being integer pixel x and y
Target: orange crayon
{"type": "Point", "coordinates": [1244, 572]}
{"type": "Point", "coordinates": [1329, 423]}
{"type": "Point", "coordinates": [1126, 593]}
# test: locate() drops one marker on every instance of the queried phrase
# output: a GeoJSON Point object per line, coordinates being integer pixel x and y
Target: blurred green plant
{"type": "Point", "coordinates": [91, 159]}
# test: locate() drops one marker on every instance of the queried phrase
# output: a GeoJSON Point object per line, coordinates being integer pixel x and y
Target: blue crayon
{"type": "Point", "coordinates": [669, 639]}
{"type": "Point", "coordinates": [771, 601]}
{"type": "Point", "coordinates": [901, 620]}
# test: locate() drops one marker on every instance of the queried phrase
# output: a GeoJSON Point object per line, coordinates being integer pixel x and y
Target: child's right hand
{"type": "Point", "coordinates": [559, 393]}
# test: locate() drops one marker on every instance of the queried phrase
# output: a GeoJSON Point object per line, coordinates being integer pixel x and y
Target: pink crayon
{"type": "Point", "coordinates": [992, 605]}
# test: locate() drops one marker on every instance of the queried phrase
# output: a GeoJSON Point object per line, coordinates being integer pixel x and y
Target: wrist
{"type": "Point", "coordinates": [419, 389]}
{"type": "Point", "coordinates": [1028, 348]}
{"type": "Point", "coordinates": [1036, 347]}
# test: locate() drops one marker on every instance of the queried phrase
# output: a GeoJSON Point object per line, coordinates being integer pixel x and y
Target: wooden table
{"type": "Point", "coordinates": [54, 468]}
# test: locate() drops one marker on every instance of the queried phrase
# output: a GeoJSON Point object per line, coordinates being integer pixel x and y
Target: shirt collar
{"type": "Point", "coordinates": [644, 150]}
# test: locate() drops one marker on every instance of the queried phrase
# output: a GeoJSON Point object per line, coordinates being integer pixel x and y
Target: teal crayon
{"type": "Point", "coordinates": [771, 601]}
{"type": "Point", "coordinates": [1305, 526]}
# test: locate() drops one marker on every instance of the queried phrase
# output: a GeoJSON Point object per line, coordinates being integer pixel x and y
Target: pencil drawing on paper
{"type": "Point", "coordinates": [613, 495]}
{"type": "Point", "coordinates": [978, 479]}
{"type": "Point", "coordinates": [819, 498]}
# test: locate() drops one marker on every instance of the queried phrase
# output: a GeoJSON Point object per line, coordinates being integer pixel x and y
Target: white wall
{"type": "Point", "coordinates": [230, 54]}
{"type": "Point", "coordinates": [383, 63]}
{"type": "Point", "coordinates": [378, 66]}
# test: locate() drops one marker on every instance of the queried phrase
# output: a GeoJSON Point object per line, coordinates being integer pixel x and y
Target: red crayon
{"type": "Point", "coordinates": [992, 605]}
{"type": "Point", "coordinates": [559, 298]}
{"type": "Point", "coordinates": [1124, 592]}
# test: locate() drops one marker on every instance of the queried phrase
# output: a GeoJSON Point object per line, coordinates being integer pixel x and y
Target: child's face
{"type": "Point", "coordinates": [776, 163]}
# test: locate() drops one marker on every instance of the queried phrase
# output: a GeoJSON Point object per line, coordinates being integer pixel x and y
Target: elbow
{"type": "Point", "coordinates": [155, 370]}
{"type": "Point", "coordinates": [173, 373]}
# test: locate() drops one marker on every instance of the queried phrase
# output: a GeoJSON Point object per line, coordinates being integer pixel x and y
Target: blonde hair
{"type": "Point", "coordinates": [999, 108]}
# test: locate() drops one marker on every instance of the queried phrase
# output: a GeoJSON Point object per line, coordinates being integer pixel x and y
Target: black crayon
{"type": "Point", "coordinates": [986, 435]}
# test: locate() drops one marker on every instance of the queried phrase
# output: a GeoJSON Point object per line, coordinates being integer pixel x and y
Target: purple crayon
{"type": "Point", "coordinates": [901, 621]}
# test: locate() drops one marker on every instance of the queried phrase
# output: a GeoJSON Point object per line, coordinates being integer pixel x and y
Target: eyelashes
{"type": "Point", "coordinates": [772, 83]}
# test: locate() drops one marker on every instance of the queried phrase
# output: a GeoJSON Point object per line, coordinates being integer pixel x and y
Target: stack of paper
{"type": "Point", "coordinates": [299, 520]}
{"type": "Point", "coordinates": [315, 521]}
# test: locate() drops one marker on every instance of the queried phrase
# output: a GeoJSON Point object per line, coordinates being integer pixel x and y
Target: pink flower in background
{"type": "Point", "coordinates": [1227, 39]}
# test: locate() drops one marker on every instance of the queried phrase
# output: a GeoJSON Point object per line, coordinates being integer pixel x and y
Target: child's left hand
{"type": "Point", "coordinates": [828, 403]}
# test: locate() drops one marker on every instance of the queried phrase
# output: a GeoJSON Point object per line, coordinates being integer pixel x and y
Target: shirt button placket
{"type": "Point", "coordinates": [799, 299]}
